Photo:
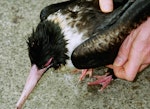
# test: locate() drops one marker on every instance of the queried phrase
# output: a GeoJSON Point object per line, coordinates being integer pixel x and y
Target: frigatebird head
{"type": "Point", "coordinates": [47, 49]}
{"type": "Point", "coordinates": [46, 46]}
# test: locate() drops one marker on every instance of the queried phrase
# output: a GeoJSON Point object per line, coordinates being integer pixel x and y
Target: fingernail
{"type": "Point", "coordinates": [106, 5]}
{"type": "Point", "coordinates": [107, 9]}
{"type": "Point", "coordinates": [118, 61]}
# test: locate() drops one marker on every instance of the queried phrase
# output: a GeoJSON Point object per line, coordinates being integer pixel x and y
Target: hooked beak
{"type": "Point", "coordinates": [34, 76]}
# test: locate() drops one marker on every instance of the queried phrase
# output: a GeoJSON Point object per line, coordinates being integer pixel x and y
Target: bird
{"type": "Point", "coordinates": [77, 34]}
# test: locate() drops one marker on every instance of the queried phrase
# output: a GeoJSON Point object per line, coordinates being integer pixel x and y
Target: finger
{"type": "Point", "coordinates": [125, 49]}
{"type": "Point", "coordinates": [119, 72]}
{"type": "Point", "coordinates": [124, 73]}
{"type": "Point", "coordinates": [139, 51]}
{"type": "Point", "coordinates": [131, 67]}
{"type": "Point", "coordinates": [106, 5]}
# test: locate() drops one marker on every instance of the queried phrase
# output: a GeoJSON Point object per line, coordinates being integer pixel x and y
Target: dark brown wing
{"type": "Point", "coordinates": [103, 47]}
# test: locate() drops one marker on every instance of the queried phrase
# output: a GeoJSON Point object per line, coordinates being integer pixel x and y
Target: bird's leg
{"type": "Point", "coordinates": [31, 82]}
{"type": "Point", "coordinates": [75, 71]}
{"type": "Point", "coordinates": [85, 72]}
{"type": "Point", "coordinates": [103, 80]}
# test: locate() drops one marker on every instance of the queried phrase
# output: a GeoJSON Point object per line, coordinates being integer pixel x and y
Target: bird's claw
{"type": "Point", "coordinates": [102, 80]}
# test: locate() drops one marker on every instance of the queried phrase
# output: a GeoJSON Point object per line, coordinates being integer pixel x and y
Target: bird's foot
{"type": "Point", "coordinates": [102, 80]}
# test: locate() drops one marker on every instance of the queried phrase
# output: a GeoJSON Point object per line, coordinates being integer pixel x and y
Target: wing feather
{"type": "Point", "coordinates": [102, 48]}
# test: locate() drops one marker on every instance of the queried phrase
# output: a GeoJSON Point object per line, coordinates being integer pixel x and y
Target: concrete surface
{"type": "Point", "coordinates": [56, 90]}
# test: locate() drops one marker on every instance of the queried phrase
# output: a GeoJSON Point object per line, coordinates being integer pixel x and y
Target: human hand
{"type": "Point", "coordinates": [106, 5]}
{"type": "Point", "coordinates": [134, 53]}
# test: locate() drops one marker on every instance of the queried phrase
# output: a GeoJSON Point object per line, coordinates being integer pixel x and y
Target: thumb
{"type": "Point", "coordinates": [106, 5]}
{"type": "Point", "coordinates": [124, 50]}
{"type": "Point", "coordinates": [122, 54]}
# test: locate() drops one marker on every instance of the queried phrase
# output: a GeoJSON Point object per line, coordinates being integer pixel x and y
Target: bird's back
{"type": "Point", "coordinates": [79, 20]}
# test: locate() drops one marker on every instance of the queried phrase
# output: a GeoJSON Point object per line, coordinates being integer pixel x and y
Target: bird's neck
{"type": "Point", "coordinates": [71, 33]}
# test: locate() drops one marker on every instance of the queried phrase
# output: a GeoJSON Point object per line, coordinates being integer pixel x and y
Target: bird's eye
{"type": "Point", "coordinates": [57, 66]}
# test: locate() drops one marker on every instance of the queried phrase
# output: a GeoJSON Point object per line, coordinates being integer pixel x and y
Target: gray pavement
{"type": "Point", "coordinates": [56, 90]}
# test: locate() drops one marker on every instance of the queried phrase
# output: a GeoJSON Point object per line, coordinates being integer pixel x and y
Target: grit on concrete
{"type": "Point", "coordinates": [56, 90]}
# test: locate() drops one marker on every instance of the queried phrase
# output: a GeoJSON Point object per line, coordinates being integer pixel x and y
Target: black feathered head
{"type": "Point", "coordinates": [46, 46]}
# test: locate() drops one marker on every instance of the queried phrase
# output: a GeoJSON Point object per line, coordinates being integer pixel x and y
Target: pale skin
{"type": "Point", "coordinates": [134, 53]}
